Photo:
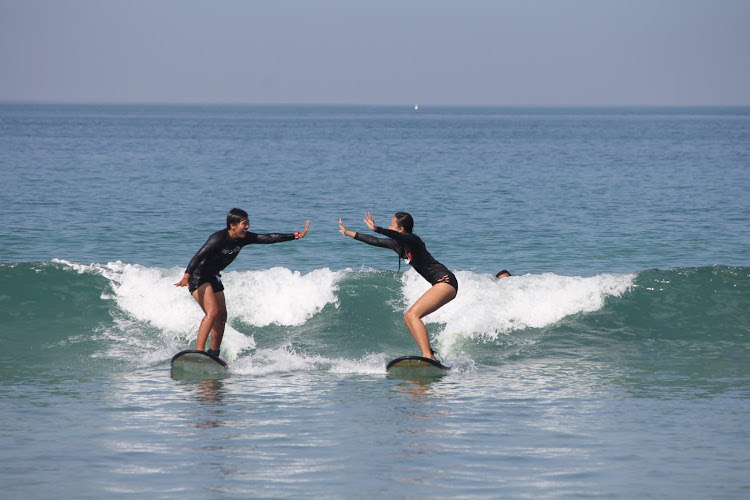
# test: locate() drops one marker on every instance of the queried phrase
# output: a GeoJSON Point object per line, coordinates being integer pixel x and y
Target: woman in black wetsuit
{"type": "Point", "coordinates": [203, 274]}
{"type": "Point", "coordinates": [412, 249]}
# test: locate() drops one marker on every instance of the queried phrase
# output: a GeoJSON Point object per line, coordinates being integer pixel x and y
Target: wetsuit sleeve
{"type": "Point", "coordinates": [209, 247]}
{"type": "Point", "coordinates": [392, 234]}
{"type": "Point", "coordinates": [267, 238]}
{"type": "Point", "coordinates": [378, 242]}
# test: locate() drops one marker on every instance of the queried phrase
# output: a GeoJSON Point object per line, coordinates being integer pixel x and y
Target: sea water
{"type": "Point", "coordinates": [613, 363]}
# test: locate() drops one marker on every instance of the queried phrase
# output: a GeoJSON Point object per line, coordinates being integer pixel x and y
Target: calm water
{"type": "Point", "coordinates": [614, 363]}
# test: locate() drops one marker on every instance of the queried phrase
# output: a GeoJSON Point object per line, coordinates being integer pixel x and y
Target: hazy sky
{"type": "Point", "coordinates": [462, 52]}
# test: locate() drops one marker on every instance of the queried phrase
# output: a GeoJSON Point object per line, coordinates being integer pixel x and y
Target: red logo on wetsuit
{"type": "Point", "coordinates": [408, 258]}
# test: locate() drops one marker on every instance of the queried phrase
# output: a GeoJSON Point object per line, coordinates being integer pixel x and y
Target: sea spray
{"type": "Point", "coordinates": [279, 295]}
{"type": "Point", "coordinates": [259, 298]}
{"type": "Point", "coordinates": [288, 360]}
{"type": "Point", "coordinates": [486, 307]}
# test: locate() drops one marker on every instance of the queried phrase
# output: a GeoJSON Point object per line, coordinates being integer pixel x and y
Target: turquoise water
{"type": "Point", "coordinates": [614, 363]}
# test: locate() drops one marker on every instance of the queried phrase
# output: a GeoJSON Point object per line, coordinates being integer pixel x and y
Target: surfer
{"type": "Point", "coordinates": [502, 274]}
{"type": "Point", "coordinates": [203, 273]}
{"type": "Point", "coordinates": [411, 248]}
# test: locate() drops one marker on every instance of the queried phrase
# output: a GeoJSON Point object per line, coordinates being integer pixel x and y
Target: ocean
{"type": "Point", "coordinates": [613, 363]}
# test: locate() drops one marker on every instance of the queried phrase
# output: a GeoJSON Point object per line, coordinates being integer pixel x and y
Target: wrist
{"type": "Point", "coordinates": [296, 235]}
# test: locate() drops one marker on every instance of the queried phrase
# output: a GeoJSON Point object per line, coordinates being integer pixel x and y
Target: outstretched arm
{"type": "Point", "coordinates": [268, 238]}
{"type": "Point", "coordinates": [370, 240]}
{"type": "Point", "coordinates": [368, 220]}
{"type": "Point", "coordinates": [392, 234]}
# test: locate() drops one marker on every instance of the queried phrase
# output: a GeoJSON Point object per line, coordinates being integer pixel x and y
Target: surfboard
{"type": "Point", "coordinates": [415, 367]}
{"type": "Point", "coordinates": [190, 364]}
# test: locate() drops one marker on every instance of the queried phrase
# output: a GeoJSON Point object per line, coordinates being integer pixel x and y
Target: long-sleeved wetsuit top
{"type": "Point", "coordinates": [411, 248]}
{"type": "Point", "coordinates": [220, 250]}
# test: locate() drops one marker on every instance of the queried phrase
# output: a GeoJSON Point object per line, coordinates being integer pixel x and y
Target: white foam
{"type": "Point", "coordinates": [148, 296]}
{"type": "Point", "coordinates": [286, 360]}
{"type": "Point", "coordinates": [280, 296]}
{"type": "Point", "coordinates": [488, 307]}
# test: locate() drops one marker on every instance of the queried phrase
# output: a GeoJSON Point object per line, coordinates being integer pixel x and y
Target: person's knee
{"type": "Point", "coordinates": [216, 314]}
{"type": "Point", "coordinates": [222, 316]}
{"type": "Point", "coordinates": [410, 316]}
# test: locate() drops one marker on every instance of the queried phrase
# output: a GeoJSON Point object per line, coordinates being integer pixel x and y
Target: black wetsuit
{"type": "Point", "coordinates": [411, 248]}
{"type": "Point", "coordinates": [219, 251]}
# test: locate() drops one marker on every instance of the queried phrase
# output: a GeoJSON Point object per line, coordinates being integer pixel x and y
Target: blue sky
{"type": "Point", "coordinates": [427, 52]}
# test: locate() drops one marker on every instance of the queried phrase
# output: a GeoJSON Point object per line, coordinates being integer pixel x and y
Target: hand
{"type": "Point", "coordinates": [342, 229]}
{"type": "Point", "coordinates": [304, 231]}
{"type": "Point", "coordinates": [183, 281]}
{"type": "Point", "coordinates": [370, 221]}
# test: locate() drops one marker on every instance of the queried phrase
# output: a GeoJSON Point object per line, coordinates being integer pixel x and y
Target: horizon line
{"type": "Point", "coordinates": [342, 104]}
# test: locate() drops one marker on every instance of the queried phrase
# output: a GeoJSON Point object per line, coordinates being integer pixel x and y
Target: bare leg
{"type": "Point", "coordinates": [215, 310]}
{"type": "Point", "coordinates": [217, 330]}
{"type": "Point", "coordinates": [432, 300]}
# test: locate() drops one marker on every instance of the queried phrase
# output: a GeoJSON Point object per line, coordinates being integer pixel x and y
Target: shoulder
{"type": "Point", "coordinates": [217, 238]}
{"type": "Point", "coordinates": [410, 237]}
{"type": "Point", "coordinates": [219, 235]}
{"type": "Point", "coordinates": [414, 241]}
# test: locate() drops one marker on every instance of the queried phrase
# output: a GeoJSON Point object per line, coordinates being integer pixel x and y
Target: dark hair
{"type": "Point", "coordinates": [235, 216]}
{"type": "Point", "coordinates": [405, 221]}
{"type": "Point", "coordinates": [504, 271]}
